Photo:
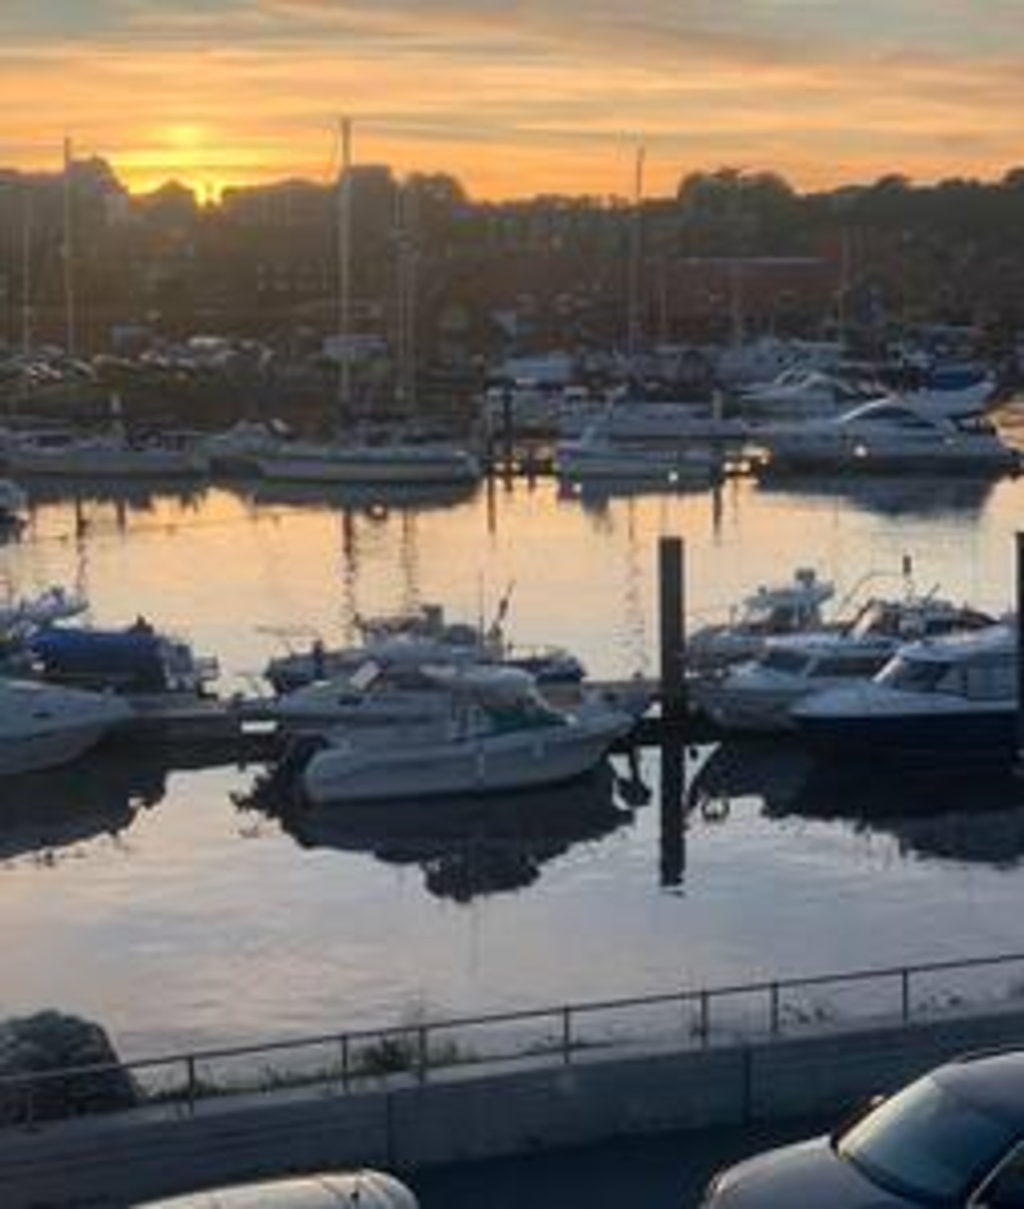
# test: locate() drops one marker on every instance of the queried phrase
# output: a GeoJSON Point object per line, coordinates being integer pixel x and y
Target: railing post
{"type": "Point", "coordinates": [566, 1035]}
{"type": "Point", "coordinates": [345, 1060]}
{"type": "Point", "coordinates": [190, 1065]}
{"type": "Point", "coordinates": [773, 992]}
{"type": "Point", "coordinates": [422, 1053]}
{"type": "Point", "coordinates": [905, 993]}
{"type": "Point", "coordinates": [705, 1017]}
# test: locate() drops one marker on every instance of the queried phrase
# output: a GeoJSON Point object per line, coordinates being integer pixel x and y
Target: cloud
{"type": "Point", "coordinates": [519, 95]}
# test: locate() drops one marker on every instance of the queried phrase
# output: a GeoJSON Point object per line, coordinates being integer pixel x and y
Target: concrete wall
{"type": "Point", "coordinates": [478, 1112]}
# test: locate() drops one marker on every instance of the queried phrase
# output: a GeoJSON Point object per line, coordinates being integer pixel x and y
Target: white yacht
{"type": "Point", "coordinates": [496, 734]}
{"type": "Point", "coordinates": [396, 462]}
{"type": "Point", "coordinates": [886, 434]}
{"type": "Point", "coordinates": [948, 699]}
{"type": "Point", "coordinates": [597, 456]}
{"type": "Point", "coordinates": [43, 726]}
{"type": "Point", "coordinates": [758, 696]}
{"type": "Point", "coordinates": [803, 392]}
{"type": "Point", "coordinates": [770, 612]}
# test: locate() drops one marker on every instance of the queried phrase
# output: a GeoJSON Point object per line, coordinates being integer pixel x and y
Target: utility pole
{"type": "Point", "coordinates": [633, 303]}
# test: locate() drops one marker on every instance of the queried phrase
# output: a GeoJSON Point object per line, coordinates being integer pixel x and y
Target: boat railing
{"type": "Point", "coordinates": [340, 1061]}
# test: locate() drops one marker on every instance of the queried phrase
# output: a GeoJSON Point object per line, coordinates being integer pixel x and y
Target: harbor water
{"type": "Point", "coordinates": [176, 905]}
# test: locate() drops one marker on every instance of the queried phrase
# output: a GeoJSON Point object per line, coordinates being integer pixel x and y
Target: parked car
{"type": "Point", "coordinates": [953, 1139]}
{"type": "Point", "coordinates": [326, 1190]}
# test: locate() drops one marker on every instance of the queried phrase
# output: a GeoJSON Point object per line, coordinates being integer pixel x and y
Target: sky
{"type": "Point", "coordinates": [516, 97]}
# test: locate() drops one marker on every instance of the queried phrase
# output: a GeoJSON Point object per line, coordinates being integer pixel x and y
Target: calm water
{"type": "Point", "coordinates": [162, 903]}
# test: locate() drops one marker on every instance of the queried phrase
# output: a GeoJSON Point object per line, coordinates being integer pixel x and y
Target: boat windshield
{"type": "Point", "coordinates": [926, 1144]}
{"type": "Point", "coordinates": [783, 659]}
{"type": "Point", "coordinates": [919, 675]}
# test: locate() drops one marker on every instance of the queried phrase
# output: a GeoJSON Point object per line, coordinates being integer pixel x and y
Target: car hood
{"type": "Point", "coordinates": [808, 1175]}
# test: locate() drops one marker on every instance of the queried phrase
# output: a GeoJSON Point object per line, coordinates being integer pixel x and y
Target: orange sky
{"type": "Point", "coordinates": [514, 96]}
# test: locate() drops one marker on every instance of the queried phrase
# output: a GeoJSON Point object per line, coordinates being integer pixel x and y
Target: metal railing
{"type": "Point", "coordinates": [345, 1061]}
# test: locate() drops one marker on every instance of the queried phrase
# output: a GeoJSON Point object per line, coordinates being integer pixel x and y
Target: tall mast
{"type": "Point", "coordinates": [633, 329]}
{"type": "Point", "coordinates": [69, 252]}
{"type": "Point", "coordinates": [345, 268]}
{"type": "Point", "coordinates": [406, 289]}
{"type": "Point", "coordinates": [26, 269]}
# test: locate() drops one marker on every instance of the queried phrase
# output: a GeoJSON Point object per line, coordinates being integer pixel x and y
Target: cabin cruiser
{"type": "Point", "coordinates": [802, 392]}
{"type": "Point", "coordinates": [496, 734]}
{"type": "Point", "coordinates": [414, 639]}
{"type": "Point", "coordinates": [770, 612]}
{"type": "Point", "coordinates": [43, 726]}
{"type": "Point", "coordinates": [950, 698]}
{"type": "Point", "coordinates": [596, 456]}
{"type": "Point", "coordinates": [758, 696]}
{"type": "Point", "coordinates": [886, 434]}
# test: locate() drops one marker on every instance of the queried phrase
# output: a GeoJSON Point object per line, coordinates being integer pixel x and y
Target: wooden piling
{"type": "Point", "coordinates": [672, 629]}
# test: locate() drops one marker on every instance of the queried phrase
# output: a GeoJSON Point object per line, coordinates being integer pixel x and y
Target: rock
{"type": "Point", "coordinates": [50, 1041]}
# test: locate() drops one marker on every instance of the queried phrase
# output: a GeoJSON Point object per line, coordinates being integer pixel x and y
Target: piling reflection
{"type": "Point", "coordinates": [131, 495]}
{"type": "Point", "coordinates": [465, 847]}
{"type": "Point", "coordinates": [99, 795]}
{"type": "Point", "coordinates": [960, 815]}
{"type": "Point", "coordinates": [921, 495]}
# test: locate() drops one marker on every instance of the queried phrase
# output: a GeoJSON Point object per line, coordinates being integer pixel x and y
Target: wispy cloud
{"type": "Point", "coordinates": [518, 95]}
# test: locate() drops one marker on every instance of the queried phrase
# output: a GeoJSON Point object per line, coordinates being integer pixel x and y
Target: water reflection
{"type": "Point", "coordinates": [100, 795]}
{"type": "Point", "coordinates": [134, 495]}
{"type": "Point", "coordinates": [956, 815]}
{"type": "Point", "coordinates": [891, 494]}
{"type": "Point", "coordinates": [598, 494]}
{"type": "Point", "coordinates": [370, 497]}
{"type": "Point", "coordinates": [465, 847]}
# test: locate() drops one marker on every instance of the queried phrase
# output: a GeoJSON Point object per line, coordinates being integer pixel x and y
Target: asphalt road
{"type": "Point", "coordinates": [665, 1172]}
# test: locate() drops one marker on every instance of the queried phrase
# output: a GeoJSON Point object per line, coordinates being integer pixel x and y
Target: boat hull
{"type": "Point", "coordinates": [27, 753]}
{"type": "Point", "coordinates": [371, 468]}
{"type": "Point", "coordinates": [953, 736]}
{"type": "Point", "coordinates": [496, 764]}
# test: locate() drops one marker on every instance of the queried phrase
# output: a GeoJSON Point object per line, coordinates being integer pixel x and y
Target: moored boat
{"type": "Point", "coordinates": [951, 699]}
{"type": "Point", "coordinates": [758, 695]}
{"type": "Point", "coordinates": [497, 734]}
{"type": "Point", "coordinates": [43, 726]}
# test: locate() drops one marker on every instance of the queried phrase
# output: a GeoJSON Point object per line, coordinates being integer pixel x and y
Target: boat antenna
{"type": "Point", "coordinates": [633, 333]}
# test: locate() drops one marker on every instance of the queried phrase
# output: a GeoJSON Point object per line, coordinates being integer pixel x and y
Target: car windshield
{"type": "Point", "coordinates": [927, 1144]}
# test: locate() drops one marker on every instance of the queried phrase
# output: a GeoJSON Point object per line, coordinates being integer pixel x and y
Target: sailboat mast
{"type": "Point", "coordinates": [69, 253]}
{"type": "Point", "coordinates": [633, 326]}
{"type": "Point", "coordinates": [26, 269]}
{"type": "Point", "coordinates": [345, 269]}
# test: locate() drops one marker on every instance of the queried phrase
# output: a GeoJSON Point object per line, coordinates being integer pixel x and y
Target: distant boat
{"type": "Point", "coordinates": [596, 456]}
{"type": "Point", "coordinates": [110, 455]}
{"type": "Point", "coordinates": [13, 505]}
{"type": "Point", "coordinates": [355, 463]}
{"type": "Point", "coordinates": [883, 435]}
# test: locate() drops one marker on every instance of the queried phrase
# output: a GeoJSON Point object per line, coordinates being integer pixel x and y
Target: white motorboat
{"type": "Point", "coordinates": [104, 455]}
{"type": "Point", "coordinates": [886, 434]}
{"type": "Point", "coordinates": [597, 456]}
{"type": "Point", "coordinates": [758, 696]}
{"type": "Point", "coordinates": [43, 726]}
{"type": "Point", "coordinates": [656, 423]}
{"type": "Point", "coordinates": [802, 392]}
{"type": "Point", "coordinates": [396, 462]}
{"type": "Point", "coordinates": [950, 699]}
{"type": "Point", "coordinates": [770, 612]}
{"type": "Point", "coordinates": [497, 734]}
{"type": "Point", "coordinates": [22, 616]}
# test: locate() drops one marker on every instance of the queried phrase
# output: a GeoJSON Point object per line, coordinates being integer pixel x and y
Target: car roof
{"type": "Point", "coordinates": [992, 1081]}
